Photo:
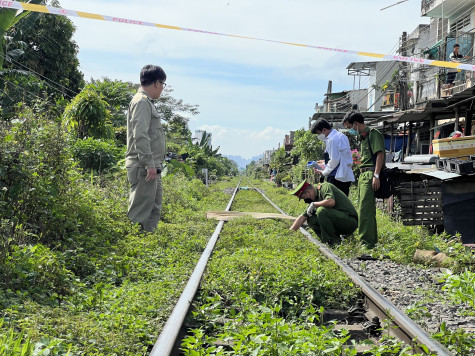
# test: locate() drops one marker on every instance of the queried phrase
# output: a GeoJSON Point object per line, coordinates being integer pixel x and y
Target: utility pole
{"type": "Point", "coordinates": [403, 102]}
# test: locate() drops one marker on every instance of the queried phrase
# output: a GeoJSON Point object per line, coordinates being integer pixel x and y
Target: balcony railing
{"type": "Point", "coordinates": [463, 80]}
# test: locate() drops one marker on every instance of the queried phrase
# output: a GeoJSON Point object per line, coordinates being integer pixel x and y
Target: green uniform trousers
{"type": "Point", "coordinates": [329, 224]}
{"type": "Point", "coordinates": [145, 198]}
{"type": "Point", "coordinates": [367, 229]}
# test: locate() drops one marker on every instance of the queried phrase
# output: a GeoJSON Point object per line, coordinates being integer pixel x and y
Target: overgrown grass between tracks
{"type": "Point", "coordinates": [265, 290]}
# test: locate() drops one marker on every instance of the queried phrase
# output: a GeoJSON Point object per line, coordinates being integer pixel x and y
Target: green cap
{"type": "Point", "coordinates": [301, 187]}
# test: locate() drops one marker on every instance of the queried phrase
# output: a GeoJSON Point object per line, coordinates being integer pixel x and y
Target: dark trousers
{"type": "Point", "coordinates": [343, 186]}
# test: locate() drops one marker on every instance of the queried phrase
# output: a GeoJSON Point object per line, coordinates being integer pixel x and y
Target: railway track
{"type": "Point", "coordinates": [373, 306]}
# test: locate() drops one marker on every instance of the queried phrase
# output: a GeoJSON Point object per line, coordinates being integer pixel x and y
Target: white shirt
{"type": "Point", "coordinates": [338, 148]}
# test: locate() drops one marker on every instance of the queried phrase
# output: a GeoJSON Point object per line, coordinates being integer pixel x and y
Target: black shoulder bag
{"type": "Point", "coordinates": [386, 178]}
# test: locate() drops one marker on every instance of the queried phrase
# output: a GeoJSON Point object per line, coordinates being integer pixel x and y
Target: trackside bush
{"type": "Point", "coordinates": [37, 271]}
{"type": "Point", "coordinates": [96, 154]}
{"type": "Point", "coordinates": [36, 176]}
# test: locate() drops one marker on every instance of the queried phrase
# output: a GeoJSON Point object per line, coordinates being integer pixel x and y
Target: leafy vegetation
{"type": "Point", "coordinates": [96, 154]}
{"type": "Point", "coordinates": [88, 115]}
{"type": "Point", "coordinates": [461, 287]}
{"type": "Point", "coordinates": [265, 291]}
{"type": "Point", "coordinates": [78, 278]}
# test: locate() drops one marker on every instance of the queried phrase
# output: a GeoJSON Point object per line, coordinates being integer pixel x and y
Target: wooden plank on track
{"type": "Point", "coordinates": [228, 215]}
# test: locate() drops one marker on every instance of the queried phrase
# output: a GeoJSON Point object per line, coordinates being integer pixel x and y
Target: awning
{"type": "Point", "coordinates": [434, 49]}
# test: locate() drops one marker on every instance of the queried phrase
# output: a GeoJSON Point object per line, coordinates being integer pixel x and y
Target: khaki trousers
{"type": "Point", "coordinates": [145, 198]}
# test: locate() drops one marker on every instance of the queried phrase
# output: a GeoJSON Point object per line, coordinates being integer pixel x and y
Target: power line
{"type": "Point", "coordinates": [387, 7]}
{"type": "Point", "coordinates": [48, 80]}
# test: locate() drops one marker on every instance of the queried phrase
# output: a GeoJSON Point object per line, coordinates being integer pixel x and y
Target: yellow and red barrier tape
{"type": "Point", "coordinates": [64, 12]}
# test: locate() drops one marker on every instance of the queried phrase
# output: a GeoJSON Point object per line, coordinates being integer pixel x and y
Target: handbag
{"type": "Point", "coordinates": [386, 179]}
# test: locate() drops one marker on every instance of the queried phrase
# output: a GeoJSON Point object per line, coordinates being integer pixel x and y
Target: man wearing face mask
{"type": "Point", "coordinates": [338, 160]}
{"type": "Point", "coordinates": [330, 213]}
{"type": "Point", "coordinates": [372, 161]}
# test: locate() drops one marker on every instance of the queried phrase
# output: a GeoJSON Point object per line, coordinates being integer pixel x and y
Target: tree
{"type": "Point", "coordinates": [202, 155]}
{"type": "Point", "coordinates": [118, 95]}
{"type": "Point", "coordinates": [307, 146]}
{"type": "Point", "coordinates": [88, 115]}
{"type": "Point", "coordinates": [38, 59]}
{"type": "Point", "coordinates": [175, 113]}
{"type": "Point", "coordinates": [51, 53]}
{"type": "Point", "coordinates": [8, 19]}
{"type": "Point", "coordinates": [280, 160]}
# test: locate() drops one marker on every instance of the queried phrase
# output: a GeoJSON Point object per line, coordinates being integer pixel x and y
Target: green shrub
{"type": "Point", "coordinates": [279, 177]}
{"type": "Point", "coordinates": [461, 287]}
{"type": "Point", "coordinates": [36, 177]}
{"type": "Point", "coordinates": [88, 115]}
{"type": "Point", "coordinates": [14, 343]}
{"type": "Point", "coordinates": [37, 271]}
{"type": "Point", "coordinates": [96, 154]}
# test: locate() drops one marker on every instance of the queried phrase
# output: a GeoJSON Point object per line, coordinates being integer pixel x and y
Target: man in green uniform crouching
{"type": "Point", "coordinates": [330, 213]}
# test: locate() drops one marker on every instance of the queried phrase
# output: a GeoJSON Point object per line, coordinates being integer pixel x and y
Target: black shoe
{"type": "Point", "coordinates": [365, 257]}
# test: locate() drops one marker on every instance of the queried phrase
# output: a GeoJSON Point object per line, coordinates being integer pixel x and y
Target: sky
{"type": "Point", "coordinates": [250, 93]}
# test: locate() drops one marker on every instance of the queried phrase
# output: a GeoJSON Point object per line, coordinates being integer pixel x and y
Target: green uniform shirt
{"type": "Point", "coordinates": [327, 190]}
{"type": "Point", "coordinates": [377, 144]}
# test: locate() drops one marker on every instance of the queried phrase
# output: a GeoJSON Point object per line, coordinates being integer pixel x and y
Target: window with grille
{"type": "Point", "coordinates": [460, 24]}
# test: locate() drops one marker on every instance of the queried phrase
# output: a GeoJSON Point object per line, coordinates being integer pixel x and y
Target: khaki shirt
{"type": "Point", "coordinates": [145, 137]}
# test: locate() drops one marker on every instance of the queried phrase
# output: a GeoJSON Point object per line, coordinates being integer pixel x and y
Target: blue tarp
{"type": "Point", "coordinates": [398, 141]}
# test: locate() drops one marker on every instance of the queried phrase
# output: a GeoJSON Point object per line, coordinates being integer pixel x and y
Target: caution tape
{"type": "Point", "coordinates": [65, 12]}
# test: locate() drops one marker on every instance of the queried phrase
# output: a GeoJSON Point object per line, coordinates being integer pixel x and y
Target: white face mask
{"type": "Point", "coordinates": [321, 137]}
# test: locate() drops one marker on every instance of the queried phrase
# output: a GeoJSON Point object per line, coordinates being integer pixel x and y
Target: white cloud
{"type": "Point", "coordinates": [250, 92]}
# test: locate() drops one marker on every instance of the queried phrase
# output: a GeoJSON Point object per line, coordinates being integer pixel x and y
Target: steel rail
{"type": "Point", "coordinates": [168, 337]}
{"type": "Point", "coordinates": [407, 330]}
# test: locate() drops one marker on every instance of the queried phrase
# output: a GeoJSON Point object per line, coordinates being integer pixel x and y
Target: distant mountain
{"type": "Point", "coordinates": [242, 162]}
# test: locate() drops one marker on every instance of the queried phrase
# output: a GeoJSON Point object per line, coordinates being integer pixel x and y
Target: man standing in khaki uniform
{"type": "Point", "coordinates": [145, 150]}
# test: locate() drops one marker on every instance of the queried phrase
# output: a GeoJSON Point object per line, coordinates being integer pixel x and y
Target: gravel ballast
{"type": "Point", "coordinates": [417, 292]}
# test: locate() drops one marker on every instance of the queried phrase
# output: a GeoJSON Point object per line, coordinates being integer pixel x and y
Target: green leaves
{"type": "Point", "coordinates": [88, 115]}
{"type": "Point", "coordinates": [263, 290]}
{"type": "Point", "coordinates": [460, 341]}
{"type": "Point", "coordinates": [96, 154]}
{"type": "Point", "coordinates": [461, 287]}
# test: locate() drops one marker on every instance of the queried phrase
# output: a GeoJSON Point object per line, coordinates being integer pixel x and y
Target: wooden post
{"type": "Point", "coordinates": [431, 128]}
{"type": "Point", "coordinates": [409, 134]}
{"type": "Point", "coordinates": [431, 133]}
{"type": "Point", "coordinates": [468, 121]}
{"type": "Point", "coordinates": [403, 137]}
{"type": "Point", "coordinates": [391, 149]}
{"type": "Point", "coordinates": [457, 118]}
{"type": "Point", "coordinates": [418, 142]}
